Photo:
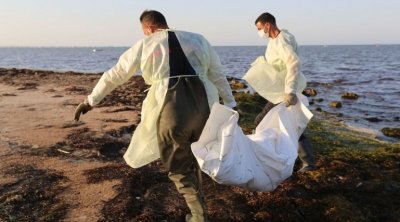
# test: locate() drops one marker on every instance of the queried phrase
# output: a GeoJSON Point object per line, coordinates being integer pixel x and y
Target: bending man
{"type": "Point", "coordinates": [186, 78]}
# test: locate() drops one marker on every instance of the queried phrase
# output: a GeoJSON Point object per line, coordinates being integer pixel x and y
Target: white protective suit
{"type": "Point", "coordinates": [278, 73]}
{"type": "Point", "coordinates": [151, 55]}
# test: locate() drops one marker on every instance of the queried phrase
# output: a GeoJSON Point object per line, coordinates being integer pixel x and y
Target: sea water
{"type": "Point", "coordinates": [371, 71]}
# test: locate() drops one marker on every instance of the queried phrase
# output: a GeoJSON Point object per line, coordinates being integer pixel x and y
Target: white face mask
{"type": "Point", "coordinates": [262, 34]}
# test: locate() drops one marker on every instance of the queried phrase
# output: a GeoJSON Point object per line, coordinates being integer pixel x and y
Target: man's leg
{"type": "Point", "coordinates": [306, 155]}
{"type": "Point", "coordinates": [181, 121]}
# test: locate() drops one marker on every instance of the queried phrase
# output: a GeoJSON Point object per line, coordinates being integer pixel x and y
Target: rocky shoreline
{"type": "Point", "coordinates": [385, 133]}
{"type": "Point", "coordinates": [53, 168]}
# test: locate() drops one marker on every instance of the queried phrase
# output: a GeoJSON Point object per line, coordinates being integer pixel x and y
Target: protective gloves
{"type": "Point", "coordinates": [290, 99]}
{"type": "Point", "coordinates": [82, 109]}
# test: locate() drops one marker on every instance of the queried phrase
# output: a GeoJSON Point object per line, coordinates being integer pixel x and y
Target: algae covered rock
{"type": "Point", "coordinates": [391, 132]}
{"type": "Point", "coordinates": [236, 84]}
{"type": "Point", "coordinates": [336, 104]}
{"type": "Point", "coordinates": [310, 92]}
{"type": "Point", "coordinates": [250, 105]}
{"type": "Point", "coordinates": [348, 95]}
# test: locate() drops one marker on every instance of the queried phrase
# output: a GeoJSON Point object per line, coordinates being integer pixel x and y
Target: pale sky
{"type": "Point", "coordinates": [222, 22]}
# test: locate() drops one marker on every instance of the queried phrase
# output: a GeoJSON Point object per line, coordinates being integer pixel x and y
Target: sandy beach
{"type": "Point", "coordinates": [53, 168]}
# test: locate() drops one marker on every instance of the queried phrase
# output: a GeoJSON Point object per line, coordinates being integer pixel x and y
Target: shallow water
{"type": "Point", "coordinates": [373, 72]}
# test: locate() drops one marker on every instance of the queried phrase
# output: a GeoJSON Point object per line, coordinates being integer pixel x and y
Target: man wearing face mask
{"type": "Point", "coordinates": [186, 78]}
{"type": "Point", "coordinates": [281, 53]}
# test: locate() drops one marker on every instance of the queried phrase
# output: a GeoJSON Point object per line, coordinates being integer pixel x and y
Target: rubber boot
{"type": "Point", "coordinates": [197, 209]}
{"type": "Point", "coordinates": [306, 156]}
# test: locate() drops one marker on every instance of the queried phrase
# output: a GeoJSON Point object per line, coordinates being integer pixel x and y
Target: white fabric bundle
{"type": "Point", "coordinates": [270, 83]}
{"type": "Point", "coordinates": [260, 161]}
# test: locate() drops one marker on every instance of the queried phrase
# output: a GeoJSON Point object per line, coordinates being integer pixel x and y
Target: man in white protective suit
{"type": "Point", "coordinates": [186, 78]}
{"type": "Point", "coordinates": [281, 53]}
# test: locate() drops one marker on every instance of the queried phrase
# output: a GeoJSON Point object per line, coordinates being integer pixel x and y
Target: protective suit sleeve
{"type": "Point", "coordinates": [126, 67]}
{"type": "Point", "coordinates": [292, 66]}
{"type": "Point", "coordinates": [217, 77]}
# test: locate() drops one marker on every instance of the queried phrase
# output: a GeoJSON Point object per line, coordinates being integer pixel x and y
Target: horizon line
{"type": "Point", "coordinates": [366, 44]}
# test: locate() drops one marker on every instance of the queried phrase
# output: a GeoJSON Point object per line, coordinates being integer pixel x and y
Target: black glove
{"type": "Point", "coordinates": [290, 99]}
{"type": "Point", "coordinates": [82, 109]}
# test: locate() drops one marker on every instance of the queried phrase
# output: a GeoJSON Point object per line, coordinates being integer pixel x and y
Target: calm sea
{"type": "Point", "coordinates": [373, 72]}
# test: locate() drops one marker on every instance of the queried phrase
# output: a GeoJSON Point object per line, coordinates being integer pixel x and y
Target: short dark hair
{"type": "Point", "coordinates": [153, 17]}
{"type": "Point", "coordinates": [266, 18]}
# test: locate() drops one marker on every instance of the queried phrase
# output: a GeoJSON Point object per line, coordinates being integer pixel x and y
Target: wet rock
{"type": "Point", "coordinates": [396, 118]}
{"type": "Point", "coordinates": [374, 119]}
{"type": "Point", "coordinates": [391, 132]}
{"type": "Point", "coordinates": [236, 84]}
{"type": "Point", "coordinates": [310, 92]}
{"type": "Point", "coordinates": [318, 109]}
{"type": "Point", "coordinates": [336, 104]}
{"type": "Point", "coordinates": [339, 114]}
{"type": "Point", "coordinates": [349, 95]}
{"type": "Point", "coordinates": [319, 100]}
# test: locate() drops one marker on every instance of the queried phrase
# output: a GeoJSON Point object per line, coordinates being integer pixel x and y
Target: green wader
{"type": "Point", "coordinates": [181, 121]}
